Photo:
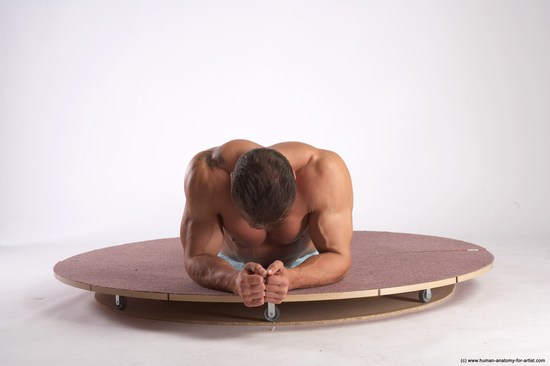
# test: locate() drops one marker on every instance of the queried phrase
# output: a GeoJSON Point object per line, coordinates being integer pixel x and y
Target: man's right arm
{"type": "Point", "coordinates": [202, 238]}
{"type": "Point", "coordinates": [202, 264]}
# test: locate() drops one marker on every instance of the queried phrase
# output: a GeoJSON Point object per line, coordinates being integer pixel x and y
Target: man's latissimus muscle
{"type": "Point", "coordinates": [320, 215]}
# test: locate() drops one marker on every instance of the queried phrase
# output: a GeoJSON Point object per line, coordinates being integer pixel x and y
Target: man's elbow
{"type": "Point", "coordinates": [343, 267]}
{"type": "Point", "coordinates": [194, 269]}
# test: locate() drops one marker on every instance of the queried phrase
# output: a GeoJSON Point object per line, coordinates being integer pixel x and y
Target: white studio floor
{"type": "Point", "coordinates": [502, 314]}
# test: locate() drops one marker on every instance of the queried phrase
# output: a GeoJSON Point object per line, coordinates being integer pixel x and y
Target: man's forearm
{"type": "Point", "coordinates": [212, 272]}
{"type": "Point", "coordinates": [319, 270]}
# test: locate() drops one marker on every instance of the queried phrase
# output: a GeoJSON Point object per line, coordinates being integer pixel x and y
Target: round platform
{"type": "Point", "coordinates": [383, 264]}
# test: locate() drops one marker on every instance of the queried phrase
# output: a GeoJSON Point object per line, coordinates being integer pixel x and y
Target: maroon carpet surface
{"type": "Point", "coordinates": [380, 260]}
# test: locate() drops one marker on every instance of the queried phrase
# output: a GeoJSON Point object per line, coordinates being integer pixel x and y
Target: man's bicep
{"type": "Point", "coordinates": [331, 226]}
{"type": "Point", "coordinates": [332, 231]}
{"type": "Point", "coordinates": [200, 235]}
{"type": "Point", "coordinates": [201, 231]}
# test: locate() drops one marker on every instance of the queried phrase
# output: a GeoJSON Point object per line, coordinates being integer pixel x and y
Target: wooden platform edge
{"type": "Point", "coordinates": [72, 283]}
{"type": "Point", "coordinates": [112, 291]}
{"type": "Point", "coordinates": [436, 284]}
{"type": "Point", "coordinates": [205, 298]}
{"type": "Point", "coordinates": [417, 287]}
{"type": "Point", "coordinates": [230, 298]}
{"type": "Point", "coordinates": [130, 293]}
{"type": "Point", "coordinates": [474, 274]}
{"type": "Point", "coordinates": [333, 296]}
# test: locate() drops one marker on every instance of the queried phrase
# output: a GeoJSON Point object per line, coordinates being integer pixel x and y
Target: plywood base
{"type": "Point", "coordinates": [292, 313]}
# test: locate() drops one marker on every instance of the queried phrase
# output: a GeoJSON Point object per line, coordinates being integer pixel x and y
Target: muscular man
{"type": "Point", "coordinates": [259, 222]}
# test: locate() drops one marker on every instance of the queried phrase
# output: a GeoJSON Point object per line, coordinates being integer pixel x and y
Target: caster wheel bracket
{"type": "Point", "coordinates": [271, 312]}
{"type": "Point", "coordinates": [120, 302]}
{"type": "Point", "coordinates": [425, 296]}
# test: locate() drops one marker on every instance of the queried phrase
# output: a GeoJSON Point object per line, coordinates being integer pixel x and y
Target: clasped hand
{"type": "Point", "coordinates": [257, 285]}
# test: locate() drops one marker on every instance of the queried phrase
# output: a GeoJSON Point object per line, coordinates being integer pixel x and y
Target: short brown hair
{"type": "Point", "coordinates": [263, 186]}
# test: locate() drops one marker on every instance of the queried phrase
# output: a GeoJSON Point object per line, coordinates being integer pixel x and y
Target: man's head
{"type": "Point", "coordinates": [263, 187]}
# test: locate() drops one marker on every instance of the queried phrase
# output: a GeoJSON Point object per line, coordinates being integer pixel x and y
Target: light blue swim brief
{"type": "Point", "coordinates": [239, 266]}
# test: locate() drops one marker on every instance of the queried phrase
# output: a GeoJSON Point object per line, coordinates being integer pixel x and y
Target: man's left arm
{"type": "Point", "coordinates": [331, 230]}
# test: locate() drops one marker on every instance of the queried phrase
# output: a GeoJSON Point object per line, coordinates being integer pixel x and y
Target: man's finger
{"type": "Point", "coordinates": [276, 281]}
{"type": "Point", "coordinates": [254, 302]}
{"type": "Point", "coordinates": [275, 267]}
{"type": "Point", "coordinates": [255, 268]}
{"type": "Point", "coordinates": [274, 298]}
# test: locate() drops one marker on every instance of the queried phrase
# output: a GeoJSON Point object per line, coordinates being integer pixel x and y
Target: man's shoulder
{"type": "Point", "coordinates": [205, 174]}
{"type": "Point", "coordinates": [326, 180]}
{"type": "Point", "coordinates": [207, 160]}
{"type": "Point", "coordinates": [212, 165]}
{"type": "Point", "coordinates": [324, 162]}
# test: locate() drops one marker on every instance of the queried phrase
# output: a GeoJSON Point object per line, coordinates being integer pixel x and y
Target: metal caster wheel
{"type": "Point", "coordinates": [425, 295]}
{"type": "Point", "coordinates": [120, 302]}
{"type": "Point", "coordinates": [271, 313]}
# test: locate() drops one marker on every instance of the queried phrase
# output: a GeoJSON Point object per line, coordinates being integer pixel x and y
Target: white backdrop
{"type": "Point", "coordinates": [440, 109]}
